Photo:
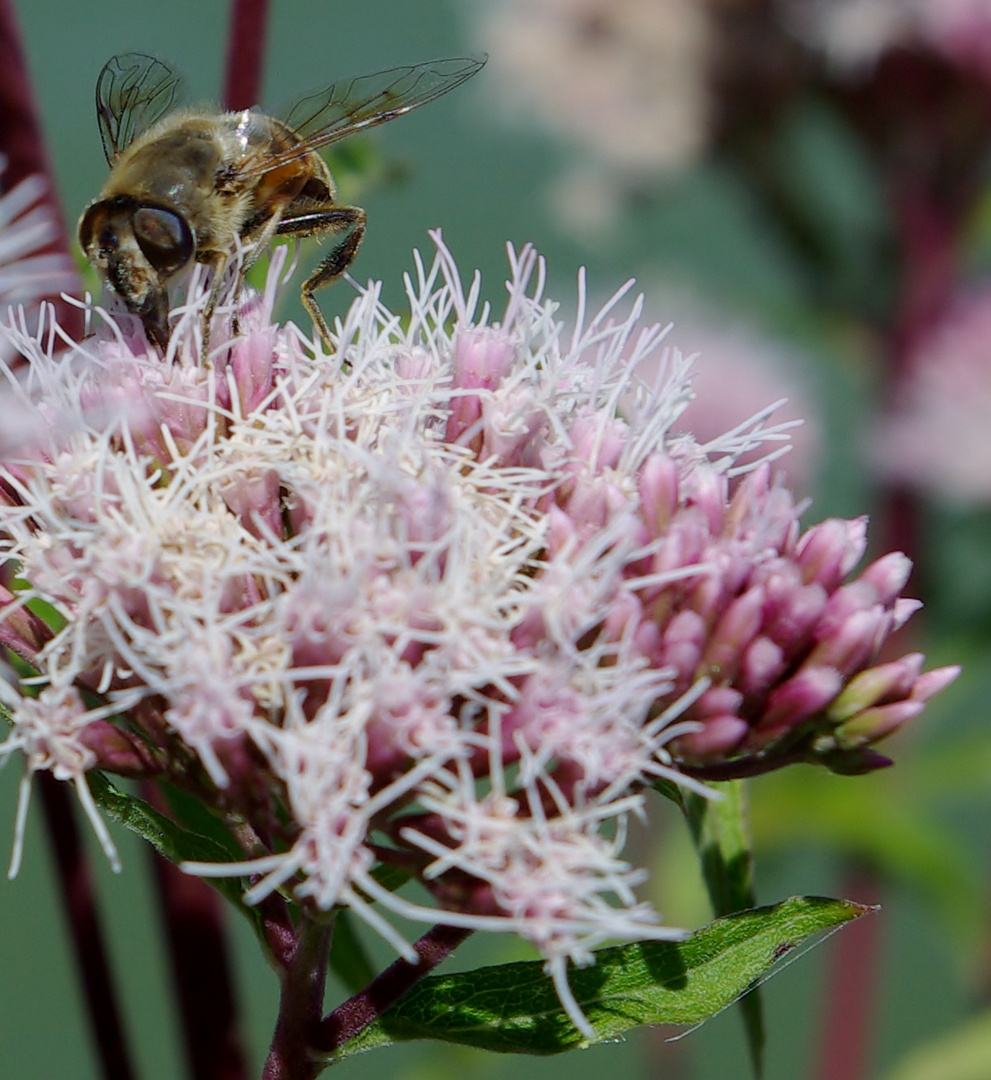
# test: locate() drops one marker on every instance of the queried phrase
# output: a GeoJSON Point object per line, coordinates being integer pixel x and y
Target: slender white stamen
{"type": "Point", "coordinates": [20, 823]}
{"type": "Point", "coordinates": [557, 968]}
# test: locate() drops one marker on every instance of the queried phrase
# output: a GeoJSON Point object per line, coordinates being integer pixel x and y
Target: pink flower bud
{"type": "Point", "coordinates": [798, 699]}
{"type": "Point", "coordinates": [763, 663]}
{"type": "Point", "coordinates": [932, 682]}
{"type": "Point", "coordinates": [252, 365]}
{"type": "Point", "coordinates": [681, 645]}
{"type": "Point", "coordinates": [716, 700]}
{"type": "Point", "coordinates": [706, 490]}
{"type": "Point", "coordinates": [718, 738]}
{"type": "Point", "coordinates": [852, 642]}
{"type": "Point", "coordinates": [658, 488]}
{"type": "Point", "coordinates": [793, 611]}
{"type": "Point", "coordinates": [886, 681]}
{"type": "Point", "coordinates": [733, 635]}
{"type": "Point", "coordinates": [599, 440]}
{"type": "Point", "coordinates": [482, 358]}
{"type": "Point", "coordinates": [118, 751]}
{"type": "Point", "coordinates": [889, 575]}
{"type": "Point", "coordinates": [874, 724]}
{"type": "Point", "coordinates": [830, 550]}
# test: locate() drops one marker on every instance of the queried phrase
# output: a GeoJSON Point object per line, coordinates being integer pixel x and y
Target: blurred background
{"type": "Point", "coordinates": [801, 187]}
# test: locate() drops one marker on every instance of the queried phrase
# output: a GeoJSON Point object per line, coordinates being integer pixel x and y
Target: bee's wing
{"type": "Point", "coordinates": [132, 92]}
{"type": "Point", "coordinates": [353, 105]}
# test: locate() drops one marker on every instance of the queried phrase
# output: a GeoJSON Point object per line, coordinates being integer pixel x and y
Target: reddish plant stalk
{"type": "Point", "coordinates": [194, 929]}
{"type": "Point", "coordinates": [850, 1010]}
{"type": "Point", "coordinates": [743, 768]}
{"type": "Point", "coordinates": [927, 232]}
{"type": "Point", "coordinates": [79, 904]}
{"type": "Point", "coordinates": [301, 1005]}
{"type": "Point", "coordinates": [22, 144]}
{"type": "Point", "coordinates": [355, 1014]}
{"type": "Point", "coordinates": [245, 50]}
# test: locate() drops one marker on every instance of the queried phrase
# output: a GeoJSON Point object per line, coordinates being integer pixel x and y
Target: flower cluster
{"type": "Point", "coordinates": [449, 599]}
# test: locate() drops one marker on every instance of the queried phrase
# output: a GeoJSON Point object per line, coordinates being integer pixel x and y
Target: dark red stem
{"type": "Point", "coordinates": [355, 1014]}
{"type": "Point", "coordinates": [22, 143]}
{"type": "Point", "coordinates": [928, 231]}
{"type": "Point", "coordinates": [301, 1005]}
{"type": "Point", "coordinates": [740, 768]}
{"type": "Point", "coordinates": [849, 1017]}
{"type": "Point", "coordinates": [280, 934]}
{"type": "Point", "coordinates": [245, 49]}
{"type": "Point", "coordinates": [743, 768]}
{"type": "Point", "coordinates": [84, 925]}
{"type": "Point", "coordinates": [194, 928]}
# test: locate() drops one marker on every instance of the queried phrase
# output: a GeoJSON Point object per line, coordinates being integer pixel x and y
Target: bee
{"type": "Point", "coordinates": [191, 185]}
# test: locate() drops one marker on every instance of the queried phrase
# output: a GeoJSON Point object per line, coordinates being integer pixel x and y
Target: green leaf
{"type": "Point", "coordinates": [513, 1008]}
{"type": "Point", "coordinates": [670, 790]}
{"type": "Point", "coordinates": [195, 817]}
{"type": "Point", "coordinates": [719, 829]}
{"type": "Point", "coordinates": [390, 877]}
{"type": "Point", "coordinates": [348, 959]}
{"type": "Point", "coordinates": [175, 843]}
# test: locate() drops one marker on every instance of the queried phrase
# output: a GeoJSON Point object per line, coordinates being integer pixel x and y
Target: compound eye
{"type": "Point", "coordinates": [97, 234]}
{"type": "Point", "coordinates": [164, 238]}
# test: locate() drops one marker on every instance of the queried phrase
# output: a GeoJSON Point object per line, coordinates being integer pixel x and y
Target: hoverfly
{"type": "Point", "coordinates": [191, 185]}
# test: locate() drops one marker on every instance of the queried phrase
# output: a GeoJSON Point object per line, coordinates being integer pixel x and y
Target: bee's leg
{"type": "Point", "coordinates": [217, 261]}
{"type": "Point", "coordinates": [346, 224]}
{"type": "Point", "coordinates": [253, 244]}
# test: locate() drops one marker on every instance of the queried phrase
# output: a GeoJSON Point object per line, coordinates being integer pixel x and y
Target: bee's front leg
{"type": "Point", "coordinates": [217, 262]}
{"type": "Point", "coordinates": [346, 224]}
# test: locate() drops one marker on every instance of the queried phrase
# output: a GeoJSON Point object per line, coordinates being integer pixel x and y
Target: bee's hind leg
{"type": "Point", "coordinates": [346, 225]}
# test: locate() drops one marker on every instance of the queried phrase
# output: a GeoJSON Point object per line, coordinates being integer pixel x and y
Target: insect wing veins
{"type": "Point", "coordinates": [133, 91]}
{"type": "Point", "coordinates": [358, 104]}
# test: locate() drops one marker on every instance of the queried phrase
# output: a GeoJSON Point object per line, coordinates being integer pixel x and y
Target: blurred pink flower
{"type": "Point", "coordinates": [937, 434]}
{"type": "Point", "coordinates": [854, 32]}
{"type": "Point", "coordinates": [960, 29]}
{"type": "Point", "coordinates": [736, 376]}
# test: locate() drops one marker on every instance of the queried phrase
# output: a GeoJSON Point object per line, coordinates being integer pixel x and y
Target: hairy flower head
{"type": "Point", "coordinates": [451, 598]}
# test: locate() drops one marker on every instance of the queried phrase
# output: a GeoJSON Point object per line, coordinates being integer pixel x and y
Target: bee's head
{"type": "Point", "coordinates": [137, 247]}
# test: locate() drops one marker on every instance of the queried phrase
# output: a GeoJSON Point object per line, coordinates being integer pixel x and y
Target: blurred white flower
{"type": "Point", "coordinates": [625, 79]}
